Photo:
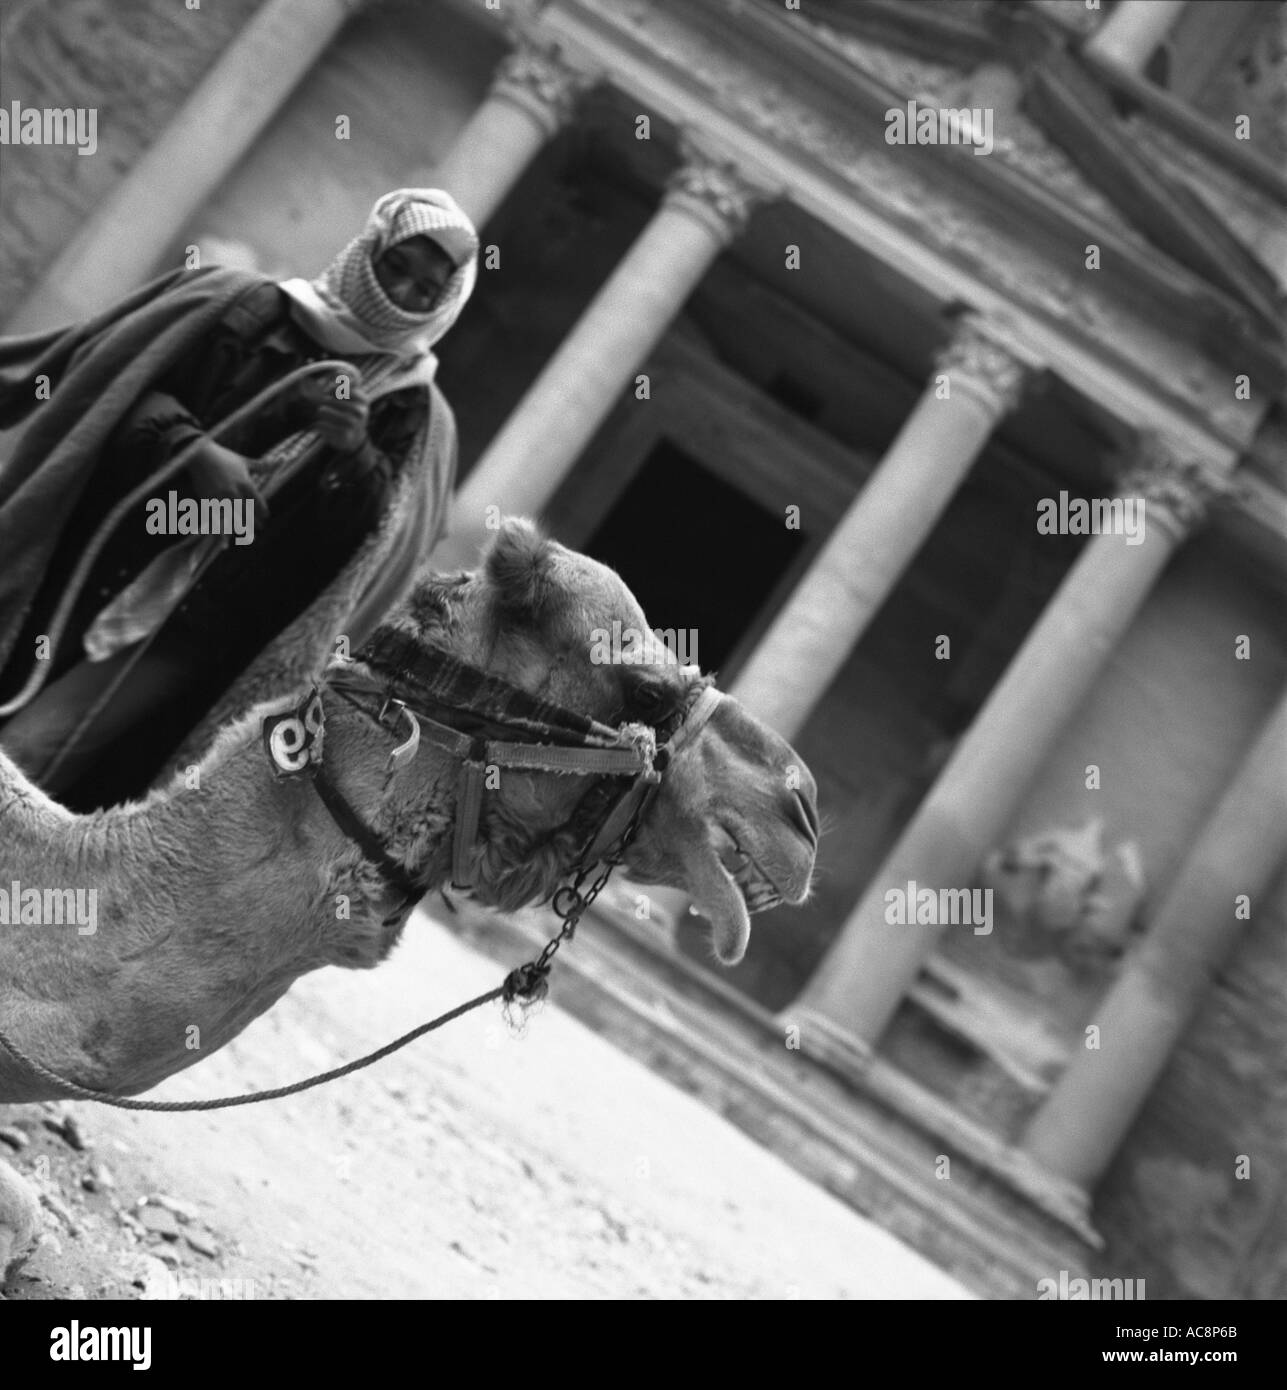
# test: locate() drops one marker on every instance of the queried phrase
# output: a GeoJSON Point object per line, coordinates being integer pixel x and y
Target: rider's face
{"type": "Point", "coordinates": [414, 273]}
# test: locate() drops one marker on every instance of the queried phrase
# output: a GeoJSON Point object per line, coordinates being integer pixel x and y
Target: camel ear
{"type": "Point", "coordinates": [520, 567]}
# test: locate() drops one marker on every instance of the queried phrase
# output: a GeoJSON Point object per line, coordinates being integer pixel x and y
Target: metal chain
{"type": "Point", "coordinates": [529, 984]}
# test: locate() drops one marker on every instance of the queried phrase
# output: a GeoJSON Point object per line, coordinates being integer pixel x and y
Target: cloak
{"type": "Point", "coordinates": [95, 373]}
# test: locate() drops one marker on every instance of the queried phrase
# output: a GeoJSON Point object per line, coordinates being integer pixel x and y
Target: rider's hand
{"type": "Point", "coordinates": [341, 423]}
{"type": "Point", "coordinates": [220, 472]}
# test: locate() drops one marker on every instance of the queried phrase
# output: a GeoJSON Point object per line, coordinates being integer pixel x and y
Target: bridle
{"type": "Point", "coordinates": [488, 724]}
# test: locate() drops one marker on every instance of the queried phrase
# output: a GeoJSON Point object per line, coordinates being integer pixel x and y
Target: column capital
{"type": "Point", "coordinates": [536, 77]}
{"type": "Point", "coordinates": [1174, 478]}
{"type": "Point", "coordinates": [987, 359]}
{"type": "Point", "coordinates": [715, 190]}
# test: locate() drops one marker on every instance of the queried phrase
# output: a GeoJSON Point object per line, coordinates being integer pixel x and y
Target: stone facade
{"type": "Point", "coordinates": [916, 269]}
{"type": "Point", "coordinates": [135, 64]}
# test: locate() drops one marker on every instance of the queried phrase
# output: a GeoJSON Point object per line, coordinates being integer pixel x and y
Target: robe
{"type": "Point", "coordinates": [68, 390]}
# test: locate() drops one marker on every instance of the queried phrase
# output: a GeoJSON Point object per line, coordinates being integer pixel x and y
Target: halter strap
{"type": "Point", "coordinates": [696, 719]}
{"type": "Point", "coordinates": [601, 751]}
{"type": "Point", "coordinates": [370, 844]}
{"type": "Point", "coordinates": [633, 804]}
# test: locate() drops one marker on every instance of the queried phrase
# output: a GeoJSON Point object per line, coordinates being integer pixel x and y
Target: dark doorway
{"type": "Point", "coordinates": [697, 553]}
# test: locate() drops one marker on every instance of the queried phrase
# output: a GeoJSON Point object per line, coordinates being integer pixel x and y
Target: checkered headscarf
{"type": "Point", "coordinates": [346, 309]}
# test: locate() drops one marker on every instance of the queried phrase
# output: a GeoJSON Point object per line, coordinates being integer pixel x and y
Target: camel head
{"type": "Point", "coordinates": [735, 821]}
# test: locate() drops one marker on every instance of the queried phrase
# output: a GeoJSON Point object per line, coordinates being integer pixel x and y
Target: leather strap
{"type": "Point", "coordinates": [696, 719]}
{"type": "Point", "coordinates": [469, 805]}
{"type": "Point", "coordinates": [369, 843]}
{"type": "Point", "coordinates": [633, 803]}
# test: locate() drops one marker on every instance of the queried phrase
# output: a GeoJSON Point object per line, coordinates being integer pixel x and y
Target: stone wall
{"type": "Point", "coordinates": [135, 64]}
{"type": "Point", "coordinates": [1168, 726]}
{"type": "Point", "coordinates": [406, 75]}
{"type": "Point", "coordinates": [1196, 1202]}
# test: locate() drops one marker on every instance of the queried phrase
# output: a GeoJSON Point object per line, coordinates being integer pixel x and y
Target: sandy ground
{"type": "Point", "coordinates": [474, 1164]}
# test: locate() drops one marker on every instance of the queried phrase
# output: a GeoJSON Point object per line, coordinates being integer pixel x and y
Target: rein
{"type": "Point", "coordinates": [572, 744]}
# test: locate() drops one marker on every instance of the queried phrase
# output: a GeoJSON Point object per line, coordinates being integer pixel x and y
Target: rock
{"type": "Point", "coordinates": [201, 1242]}
{"type": "Point", "coordinates": [68, 1129]}
{"type": "Point", "coordinates": [98, 1179]}
{"type": "Point", "coordinates": [50, 1244]}
{"type": "Point", "coordinates": [59, 1209]}
{"type": "Point", "coordinates": [185, 1211]}
{"type": "Point", "coordinates": [13, 1136]}
{"type": "Point", "coordinates": [150, 1275]}
{"type": "Point", "coordinates": [158, 1220]}
{"type": "Point", "coordinates": [44, 1265]}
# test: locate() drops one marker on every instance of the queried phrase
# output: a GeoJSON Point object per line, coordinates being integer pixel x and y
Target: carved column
{"type": "Point", "coordinates": [1193, 932]}
{"type": "Point", "coordinates": [117, 249]}
{"type": "Point", "coordinates": [1129, 36]}
{"type": "Point", "coordinates": [857, 987]}
{"type": "Point", "coordinates": [979, 379]}
{"type": "Point", "coordinates": [532, 96]}
{"type": "Point", "coordinates": [706, 204]}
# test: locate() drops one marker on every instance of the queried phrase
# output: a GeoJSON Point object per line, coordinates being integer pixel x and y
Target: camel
{"type": "Point", "coordinates": [217, 891]}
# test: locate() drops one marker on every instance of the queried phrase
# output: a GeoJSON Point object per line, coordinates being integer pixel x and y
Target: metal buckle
{"type": "Point", "coordinates": [405, 752]}
{"type": "Point", "coordinates": [390, 701]}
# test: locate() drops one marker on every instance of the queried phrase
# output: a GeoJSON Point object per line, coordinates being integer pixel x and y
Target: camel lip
{"type": "Point", "coordinates": [758, 889]}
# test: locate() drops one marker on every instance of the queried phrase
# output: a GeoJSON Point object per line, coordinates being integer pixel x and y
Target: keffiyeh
{"type": "Point", "coordinates": [345, 309]}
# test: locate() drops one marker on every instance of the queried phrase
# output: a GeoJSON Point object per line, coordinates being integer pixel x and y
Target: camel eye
{"type": "Point", "coordinates": [648, 701]}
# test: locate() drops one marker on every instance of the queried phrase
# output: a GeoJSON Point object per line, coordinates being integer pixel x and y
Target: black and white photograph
{"type": "Point", "coordinates": [643, 659]}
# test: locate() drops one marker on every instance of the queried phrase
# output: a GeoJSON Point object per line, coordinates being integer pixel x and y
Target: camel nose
{"type": "Point", "coordinates": [803, 814]}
